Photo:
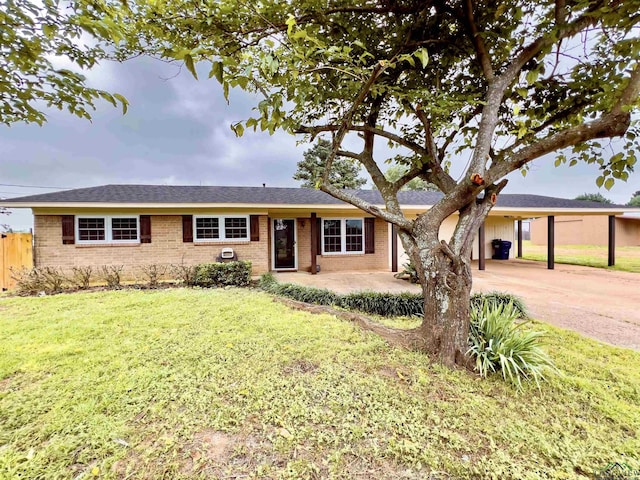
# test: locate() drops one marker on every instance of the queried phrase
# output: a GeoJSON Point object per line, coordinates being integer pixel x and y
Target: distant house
{"type": "Point", "coordinates": [587, 230]}
{"type": "Point", "coordinates": [276, 228]}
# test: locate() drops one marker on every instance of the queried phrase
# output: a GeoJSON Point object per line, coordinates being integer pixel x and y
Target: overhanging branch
{"type": "Point", "coordinates": [345, 196]}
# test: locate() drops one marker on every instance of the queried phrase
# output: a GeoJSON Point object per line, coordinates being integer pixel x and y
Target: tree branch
{"type": "Point", "coordinates": [345, 196]}
{"type": "Point", "coordinates": [345, 124]}
{"type": "Point", "coordinates": [476, 37]}
{"type": "Point", "coordinates": [611, 124]}
{"type": "Point", "coordinates": [418, 149]}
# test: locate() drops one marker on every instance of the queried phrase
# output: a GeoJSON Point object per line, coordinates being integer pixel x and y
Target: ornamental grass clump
{"type": "Point", "coordinates": [500, 344]}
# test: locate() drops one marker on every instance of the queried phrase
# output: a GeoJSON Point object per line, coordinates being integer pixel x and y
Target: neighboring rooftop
{"type": "Point", "coordinates": [173, 194]}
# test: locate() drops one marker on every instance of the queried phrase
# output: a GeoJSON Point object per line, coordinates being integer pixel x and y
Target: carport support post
{"type": "Point", "coordinates": [519, 238]}
{"type": "Point", "coordinates": [394, 248]}
{"type": "Point", "coordinates": [481, 247]}
{"type": "Point", "coordinates": [551, 246]}
{"type": "Point", "coordinates": [612, 240]}
{"type": "Point", "coordinates": [314, 243]}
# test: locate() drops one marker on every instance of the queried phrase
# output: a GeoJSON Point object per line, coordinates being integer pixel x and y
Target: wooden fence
{"type": "Point", "coordinates": [16, 251]}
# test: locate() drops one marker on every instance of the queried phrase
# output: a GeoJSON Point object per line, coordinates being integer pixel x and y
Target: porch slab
{"type": "Point", "coordinates": [601, 304]}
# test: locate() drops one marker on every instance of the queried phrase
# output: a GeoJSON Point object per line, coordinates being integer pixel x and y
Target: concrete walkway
{"type": "Point", "coordinates": [601, 304]}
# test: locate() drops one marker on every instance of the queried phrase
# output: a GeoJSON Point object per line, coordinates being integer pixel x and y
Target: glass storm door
{"type": "Point", "coordinates": [284, 238]}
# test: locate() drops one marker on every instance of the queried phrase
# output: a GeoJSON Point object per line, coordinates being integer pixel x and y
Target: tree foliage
{"type": "Point", "coordinates": [344, 172]}
{"type": "Point", "coordinates": [635, 200]}
{"type": "Point", "coordinates": [394, 172]}
{"type": "Point", "coordinates": [594, 197]}
{"type": "Point", "coordinates": [44, 47]}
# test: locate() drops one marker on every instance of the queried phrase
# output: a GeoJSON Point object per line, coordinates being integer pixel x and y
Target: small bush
{"type": "Point", "coordinates": [223, 274]}
{"type": "Point", "coordinates": [31, 281]}
{"type": "Point", "coordinates": [28, 281]}
{"type": "Point", "coordinates": [112, 274]}
{"type": "Point", "coordinates": [499, 344]}
{"type": "Point", "coordinates": [185, 274]}
{"type": "Point", "coordinates": [153, 273]}
{"type": "Point", "coordinates": [53, 279]}
{"type": "Point", "coordinates": [81, 277]}
{"type": "Point", "coordinates": [385, 304]}
{"type": "Point", "coordinates": [478, 300]}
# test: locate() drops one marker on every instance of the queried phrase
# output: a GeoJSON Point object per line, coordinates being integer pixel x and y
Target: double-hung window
{"type": "Point", "coordinates": [342, 235]}
{"type": "Point", "coordinates": [221, 228]}
{"type": "Point", "coordinates": [108, 229]}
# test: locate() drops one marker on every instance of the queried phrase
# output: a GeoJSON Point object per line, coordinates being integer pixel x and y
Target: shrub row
{"type": "Point", "coordinates": [52, 280]}
{"type": "Point", "coordinates": [384, 304]}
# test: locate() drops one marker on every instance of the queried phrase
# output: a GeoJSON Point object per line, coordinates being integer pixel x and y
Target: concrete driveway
{"type": "Point", "coordinates": [601, 304]}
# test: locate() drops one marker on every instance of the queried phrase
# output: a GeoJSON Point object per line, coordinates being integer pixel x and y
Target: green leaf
{"type": "Point", "coordinates": [291, 22]}
{"type": "Point", "coordinates": [188, 62]}
{"type": "Point", "coordinates": [216, 71]}
{"type": "Point", "coordinates": [600, 181]}
{"type": "Point", "coordinates": [49, 30]}
{"type": "Point", "coordinates": [123, 101]}
{"type": "Point", "coordinates": [609, 183]}
{"type": "Point", "coordinates": [532, 76]}
{"type": "Point", "coordinates": [238, 129]}
{"type": "Point", "coordinates": [422, 55]}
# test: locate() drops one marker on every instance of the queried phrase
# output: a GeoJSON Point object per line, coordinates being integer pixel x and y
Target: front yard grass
{"type": "Point", "coordinates": [189, 383]}
{"type": "Point", "coordinates": [627, 258]}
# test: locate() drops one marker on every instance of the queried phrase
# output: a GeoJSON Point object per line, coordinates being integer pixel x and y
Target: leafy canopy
{"type": "Point", "coordinates": [442, 80]}
{"type": "Point", "coordinates": [44, 47]}
{"type": "Point", "coordinates": [344, 174]}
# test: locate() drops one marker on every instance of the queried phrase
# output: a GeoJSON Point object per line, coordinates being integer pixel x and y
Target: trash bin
{"type": "Point", "coordinates": [505, 246]}
{"type": "Point", "coordinates": [495, 244]}
{"type": "Point", "coordinates": [500, 249]}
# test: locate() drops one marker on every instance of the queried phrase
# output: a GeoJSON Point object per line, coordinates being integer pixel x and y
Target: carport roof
{"type": "Point", "coordinates": [163, 196]}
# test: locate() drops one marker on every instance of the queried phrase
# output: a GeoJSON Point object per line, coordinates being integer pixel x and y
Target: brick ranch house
{"type": "Point", "coordinates": [276, 228]}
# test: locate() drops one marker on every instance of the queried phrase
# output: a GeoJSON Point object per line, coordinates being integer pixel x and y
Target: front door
{"type": "Point", "coordinates": [284, 243]}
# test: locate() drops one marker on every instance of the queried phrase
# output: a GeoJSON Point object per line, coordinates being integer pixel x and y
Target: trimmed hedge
{"type": "Point", "coordinates": [223, 274]}
{"type": "Point", "coordinates": [384, 304]}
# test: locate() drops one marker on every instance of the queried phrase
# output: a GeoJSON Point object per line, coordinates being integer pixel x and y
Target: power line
{"type": "Point", "coordinates": [29, 186]}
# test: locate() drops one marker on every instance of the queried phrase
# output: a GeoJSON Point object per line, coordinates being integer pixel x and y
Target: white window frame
{"type": "Point", "coordinates": [222, 229]}
{"type": "Point", "coordinates": [108, 234]}
{"type": "Point", "coordinates": [343, 236]}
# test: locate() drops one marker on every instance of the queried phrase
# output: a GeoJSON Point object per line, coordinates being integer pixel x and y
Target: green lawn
{"type": "Point", "coordinates": [228, 384]}
{"type": "Point", "coordinates": [627, 258]}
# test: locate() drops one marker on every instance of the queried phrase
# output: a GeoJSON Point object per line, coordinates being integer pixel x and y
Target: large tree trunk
{"type": "Point", "coordinates": [445, 275]}
{"type": "Point", "coordinates": [446, 286]}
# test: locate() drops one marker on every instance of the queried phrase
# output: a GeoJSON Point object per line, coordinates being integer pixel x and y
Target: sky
{"type": "Point", "coordinates": [177, 132]}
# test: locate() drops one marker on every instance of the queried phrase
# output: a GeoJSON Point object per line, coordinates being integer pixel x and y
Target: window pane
{"type": "Point", "coordinates": [91, 229]}
{"type": "Point", "coordinates": [354, 235]}
{"type": "Point", "coordinates": [207, 228]}
{"type": "Point", "coordinates": [332, 238]}
{"type": "Point", "coordinates": [124, 228]}
{"type": "Point", "coordinates": [235, 228]}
